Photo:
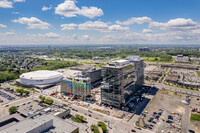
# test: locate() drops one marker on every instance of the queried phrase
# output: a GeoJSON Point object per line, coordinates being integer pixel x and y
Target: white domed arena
{"type": "Point", "coordinates": [41, 77]}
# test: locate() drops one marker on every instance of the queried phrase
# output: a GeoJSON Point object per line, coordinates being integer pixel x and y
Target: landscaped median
{"type": "Point", "coordinates": [94, 128]}
{"type": "Point", "coordinates": [45, 100]}
{"type": "Point", "coordinates": [103, 126]}
{"type": "Point", "coordinates": [20, 87]}
{"type": "Point", "coordinates": [78, 118]}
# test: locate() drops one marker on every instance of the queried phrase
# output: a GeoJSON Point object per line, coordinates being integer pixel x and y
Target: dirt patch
{"type": "Point", "coordinates": [196, 126]}
{"type": "Point", "coordinates": [180, 110]}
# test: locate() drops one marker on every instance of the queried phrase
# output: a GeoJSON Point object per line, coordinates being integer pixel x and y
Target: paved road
{"type": "Point", "coordinates": [185, 120]}
{"type": "Point", "coordinates": [160, 86]}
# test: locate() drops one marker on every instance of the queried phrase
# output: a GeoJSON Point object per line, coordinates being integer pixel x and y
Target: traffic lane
{"type": "Point", "coordinates": [122, 127]}
{"type": "Point", "coordinates": [94, 114]}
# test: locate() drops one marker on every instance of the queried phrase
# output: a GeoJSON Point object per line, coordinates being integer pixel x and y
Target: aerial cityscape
{"type": "Point", "coordinates": [97, 66]}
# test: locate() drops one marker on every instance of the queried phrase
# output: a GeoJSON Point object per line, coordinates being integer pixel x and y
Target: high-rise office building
{"type": "Point", "coordinates": [121, 79]}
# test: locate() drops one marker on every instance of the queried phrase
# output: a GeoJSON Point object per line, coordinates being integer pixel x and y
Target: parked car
{"type": "Point", "coordinates": [170, 117]}
{"type": "Point", "coordinates": [151, 119]}
{"type": "Point", "coordinates": [1, 101]}
{"type": "Point", "coordinates": [169, 121]}
{"type": "Point", "coordinates": [151, 125]}
{"type": "Point", "coordinates": [191, 131]}
{"type": "Point", "coordinates": [155, 120]}
{"type": "Point", "coordinates": [157, 116]}
{"type": "Point", "coordinates": [146, 125]}
{"type": "Point", "coordinates": [132, 130]}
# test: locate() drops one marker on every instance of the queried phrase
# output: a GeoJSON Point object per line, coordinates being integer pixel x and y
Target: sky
{"type": "Point", "coordinates": [24, 22]}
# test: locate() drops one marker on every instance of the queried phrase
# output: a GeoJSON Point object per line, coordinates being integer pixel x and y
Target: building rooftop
{"type": "Point", "coordinates": [41, 74]}
{"type": "Point", "coordinates": [27, 125]}
{"type": "Point", "coordinates": [85, 68]}
{"type": "Point", "coordinates": [119, 63]}
{"type": "Point", "coordinates": [70, 74]}
{"type": "Point", "coordinates": [32, 123]}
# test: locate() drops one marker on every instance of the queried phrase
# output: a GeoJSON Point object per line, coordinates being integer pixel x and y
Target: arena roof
{"type": "Point", "coordinates": [41, 74]}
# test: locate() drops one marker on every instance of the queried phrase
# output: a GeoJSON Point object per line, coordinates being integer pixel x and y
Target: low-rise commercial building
{"type": "Point", "coordinates": [42, 123]}
{"type": "Point", "coordinates": [78, 81]}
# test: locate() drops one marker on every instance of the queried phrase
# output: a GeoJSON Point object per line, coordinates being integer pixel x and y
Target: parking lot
{"type": "Point", "coordinates": [164, 113]}
{"type": "Point", "coordinates": [6, 96]}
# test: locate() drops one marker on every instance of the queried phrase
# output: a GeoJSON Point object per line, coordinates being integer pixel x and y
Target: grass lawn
{"type": "Point", "coordinates": [198, 72]}
{"type": "Point", "coordinates": [156, 59]}
{"type": "Point", "coordinates": [195, 117]}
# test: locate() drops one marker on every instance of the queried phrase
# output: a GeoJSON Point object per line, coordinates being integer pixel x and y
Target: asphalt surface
{"type": "Point", "coordinates": [185, 120]}
{"type": "Point", "coordinates": [173, 88]}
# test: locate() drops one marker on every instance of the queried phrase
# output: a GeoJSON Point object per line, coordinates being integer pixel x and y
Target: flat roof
{"type": "Point", "coordinates": [68, 73]}
{"type": "Point", "coordinates": [85, 68]}
{"type": "Point", "coordinates": [28, 124]}
{"type": "Point", "coordinates": [120, 61]}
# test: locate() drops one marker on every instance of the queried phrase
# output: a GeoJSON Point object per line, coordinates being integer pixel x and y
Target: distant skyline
{"type": "Point", "coordinates": [24, 22]}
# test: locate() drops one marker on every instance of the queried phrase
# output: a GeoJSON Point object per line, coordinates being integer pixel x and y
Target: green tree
{"type": "Point", "coordinates": [48, 101]}
{"type": "Point", "coordinates": [103, 126]}
{"type": "Point", "coordinates": [42, 98]}
{"type": "Point", "coordinates": [94, 128]}
{"type": "Point", "coordinates": [12, 109]}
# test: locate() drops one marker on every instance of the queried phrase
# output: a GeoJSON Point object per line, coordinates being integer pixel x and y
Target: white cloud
{"type": "Point", "coordinates": [15, 12]}
{"type": "Point", "coordinates": [44, 8]}
{"type": "Point", "coordinates": [133, 20]}
{"type": "Point", "coordinates": [32, 35]}
{"type": "Point", "coordinates": [96, 25]}
{"type": "Point", "coordinates": [6, 4]}
{"type": "Point", "coordinates": [91, 12]}
{"type": "Point", "coordinates": [101, 26]}
{"type": "Point", "coordinates": [9, 34]}
{"type": "Point", "coordinates": [19, 0]}
{"type": "Point", "coordinates": [50, 35]}
{"type": "Point", "coordinates": [69, 9]}
{"type": "Point", "coordinates": [117, 28]}
{"type": "Point", "coordinates": [86, 37]}
{"type": "Point", "coordinates": [175, 24]}
{"type": "Point", "coordinates": [3, 26]}
{"type": "Point", "coordinates": [32, 23]}
{"type": "Point", "coordinates": [70, 26]}
{"type": "Point", "coordinates": [147, 31]}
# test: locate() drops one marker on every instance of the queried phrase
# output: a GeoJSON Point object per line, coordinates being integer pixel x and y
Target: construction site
{"type": "Point", "coordinates": [121, 79]}
{"type": "Point", "coordinates": [78, 81]}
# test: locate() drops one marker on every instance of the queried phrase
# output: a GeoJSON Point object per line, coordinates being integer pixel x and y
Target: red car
{"type": "Point", "coordinates": [133, 130]}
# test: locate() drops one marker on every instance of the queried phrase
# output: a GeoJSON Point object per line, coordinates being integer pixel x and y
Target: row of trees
{"type": "Point", "coordinates": [22, 91]}
{"type": "Point", "coordinates": [11, 74]}
{"type": "Point", "coordinates": [78, 118]}
{"type": "Point", "coordinates": [113, 53]}
{"type": "Point", "coordinates": [45, 100]}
